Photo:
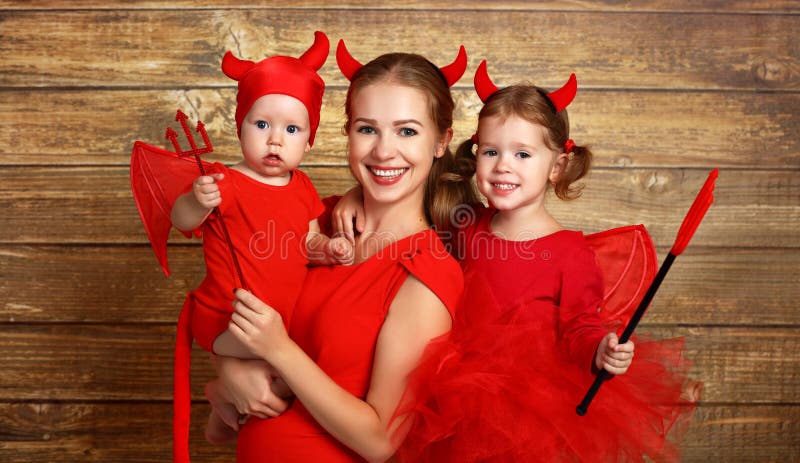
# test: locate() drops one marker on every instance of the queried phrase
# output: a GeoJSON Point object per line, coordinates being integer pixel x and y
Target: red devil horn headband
{"type": "Point", "coordinates": [314, 58]}
{"type": "Point", "coordinates": [452, 72]}
{"type": "Point", "coordinates": [560, 98]}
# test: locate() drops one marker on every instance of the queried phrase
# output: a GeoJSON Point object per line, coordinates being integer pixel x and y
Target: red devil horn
{"type": "Point", "coordinates": [234, 67]}
{"type": "Point", "coordinates": [453, 71]}
{"type": "Point", "coordinates": [347, 64]}
{"type": "Point", "coordinates": [316, 55]}
{"type": "Point", "coordinates": [562, 97]}
{"type": "Point", "coordinates": [483, 83]}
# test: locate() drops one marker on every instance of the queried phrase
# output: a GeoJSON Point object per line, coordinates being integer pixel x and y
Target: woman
{"type": "Point", "coordinates": [358, 331]}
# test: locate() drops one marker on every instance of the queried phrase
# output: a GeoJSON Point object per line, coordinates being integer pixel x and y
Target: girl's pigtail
{"type": "Point", "coordinates": [580, 161]}
{"type": "Point", "coordinates": [450, 185]}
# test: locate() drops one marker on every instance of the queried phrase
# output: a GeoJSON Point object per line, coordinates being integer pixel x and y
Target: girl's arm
{"type": "Point", "coordinates": [192, 208]}
{"type": "Point", "coordinates": [415, 316]}
{"type": "Point", "coordinates": [348, 209]}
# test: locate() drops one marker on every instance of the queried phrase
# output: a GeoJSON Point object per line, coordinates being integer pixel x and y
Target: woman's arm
{"type": "Point", "coordinates": [415, 316]}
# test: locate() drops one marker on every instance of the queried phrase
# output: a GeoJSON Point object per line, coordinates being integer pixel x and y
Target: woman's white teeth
{"type": "Point", "coordinates": [504, 186]}
{"type": "Point", "coordinates": [387, 172]}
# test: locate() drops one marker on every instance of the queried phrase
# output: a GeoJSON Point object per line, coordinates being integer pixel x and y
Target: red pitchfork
{"type": "Point", "coordinates": [196, 152]}
{"type": "Point", "coordinates": [693, 218]}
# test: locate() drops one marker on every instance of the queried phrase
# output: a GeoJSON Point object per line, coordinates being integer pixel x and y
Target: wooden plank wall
{"type": "Point", "coordinates": [669, 90]}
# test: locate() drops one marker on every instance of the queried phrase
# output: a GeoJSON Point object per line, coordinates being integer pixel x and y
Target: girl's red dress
{"type": "Point", "coordinates": [521, 358]}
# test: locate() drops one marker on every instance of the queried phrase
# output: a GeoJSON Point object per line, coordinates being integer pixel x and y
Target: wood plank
{"type": "Point", "coordinates": [113, 284]}
{"type": "Point", "coordinates": [733, 6]}
{"type": "Point", "coordinates": [107, 48]}
{"type": "Point", "coordinates": [134, 362]}
{"type": "Point", "coordinates": [636, 128]}
{"type": "Point", "coordinates": [752, 209]}
{"type": "Point", "coordinates": [140, 432]}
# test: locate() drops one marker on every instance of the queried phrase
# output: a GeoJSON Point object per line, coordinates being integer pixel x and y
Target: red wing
{"type": "Point", "coordinates": [158, 177]}
{"type": "Point", "coordinates": [628, 260]}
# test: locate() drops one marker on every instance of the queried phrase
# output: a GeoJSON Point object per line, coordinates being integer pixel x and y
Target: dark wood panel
{"type": "Point", "coordinates": [173, 47]}
{"type": "Point", "coordinates": [134, 362]}
{"type": "Point", "coordinates": [141, 433]}
{"type": "Point", "coordinates": [637, 128]}
{"type": "Point", "coordinates": [752, 209]}
{"type": "Point", "coordinates": [733, 6]}
{"type": "Point", "coordinates": [125, 285]}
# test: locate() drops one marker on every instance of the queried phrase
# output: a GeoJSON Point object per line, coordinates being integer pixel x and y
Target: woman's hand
{"type": "Point", "coordinates": [612, 356]}
{"type": "Point", "coordinates": [257, 326]}
{"type": "Point", "coordinates": [248, 383]}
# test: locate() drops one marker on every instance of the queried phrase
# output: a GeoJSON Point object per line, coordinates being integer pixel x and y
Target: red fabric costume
{"type": "Point", "coordinates": [336, 321]}
{"type": "Point", "coordinates": [267, 233]}
{"type": "Point", "coordinates": [522, 354]}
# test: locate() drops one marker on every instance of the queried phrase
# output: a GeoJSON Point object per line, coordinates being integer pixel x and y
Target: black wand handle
{"type": "Point", "coordinates": [582, 408]}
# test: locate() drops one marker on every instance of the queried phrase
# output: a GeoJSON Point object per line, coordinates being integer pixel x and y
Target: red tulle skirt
{"type": "Point", "coordinates": [499, 389]}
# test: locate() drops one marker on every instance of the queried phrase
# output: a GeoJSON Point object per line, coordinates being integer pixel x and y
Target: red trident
{"type": "Point", "coordinates": [196, 152]}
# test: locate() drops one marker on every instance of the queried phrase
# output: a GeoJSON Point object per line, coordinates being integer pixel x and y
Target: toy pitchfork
{"type": "Point", "coordinates": [690, 223]}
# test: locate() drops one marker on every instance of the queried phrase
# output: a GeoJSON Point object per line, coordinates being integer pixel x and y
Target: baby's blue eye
{"type": "Point", "coordinates": [262, 124]}
{"type": "Point", "coordinates": [406, 132]}
{"type": "Point", "coordinates": [293, 129]}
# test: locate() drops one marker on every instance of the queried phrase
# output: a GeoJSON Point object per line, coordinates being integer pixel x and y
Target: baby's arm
{"type": "Point", "coordinates": [327, 251]}
{"type": "Point", "coordinates": [612, 356]}
{"type": "Point", "coordinates": [192, 208]}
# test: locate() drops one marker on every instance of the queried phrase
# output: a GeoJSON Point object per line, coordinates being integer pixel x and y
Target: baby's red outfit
{"type": "Point", "coordinates": [268, 227]}
{"type": "Point", "coordinates": [336, 322]}
{"type": "Point", "coordinates": [521, 359]}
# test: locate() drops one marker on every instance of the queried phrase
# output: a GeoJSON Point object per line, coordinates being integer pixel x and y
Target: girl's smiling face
{"type": "Point", "coordinates": [514, 163]}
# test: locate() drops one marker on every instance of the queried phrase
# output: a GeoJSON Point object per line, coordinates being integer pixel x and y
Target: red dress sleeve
{"type": "Point", "coordinates": [431, 264]}
{"type": "Point", "coordinates": [580, 326]}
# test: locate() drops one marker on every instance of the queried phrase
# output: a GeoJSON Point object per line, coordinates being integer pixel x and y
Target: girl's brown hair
{"type": "Point", "coordinates": [444, 188]}
{"type": "Point", "coordinates": [532, 104]}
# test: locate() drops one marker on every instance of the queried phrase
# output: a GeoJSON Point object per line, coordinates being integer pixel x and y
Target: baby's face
{"type": "Point", "coordinates": [274, 135]}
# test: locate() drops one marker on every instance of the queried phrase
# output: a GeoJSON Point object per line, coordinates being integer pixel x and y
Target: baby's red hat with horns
{"type": "Point", "coordinates": [283, 75]}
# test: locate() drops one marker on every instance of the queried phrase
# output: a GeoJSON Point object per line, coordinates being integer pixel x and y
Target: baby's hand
{"type": "Point", "coordinates": [206, 190]}
{"type": "Point", "coordinates": [340, 251]}
{"type": "Point", "coordinates": [613, 357]}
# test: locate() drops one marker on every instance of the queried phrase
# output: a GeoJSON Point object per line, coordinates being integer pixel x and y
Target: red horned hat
{"type": "Point", "coordinates": [284, 75]}
{"type": "Point", "coordinates": [560, 98]}
{"type": "Point", "coordinates": [452, 72]}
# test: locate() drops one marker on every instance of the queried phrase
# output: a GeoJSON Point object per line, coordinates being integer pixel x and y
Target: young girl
{"type": "Point", "coordinates": [270, 211]}
{"type": "Point", "coordinates": [529, 338]}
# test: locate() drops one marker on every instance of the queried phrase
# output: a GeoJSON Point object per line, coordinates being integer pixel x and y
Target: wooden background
{"type": "Point", "coordinates": [669, 90]}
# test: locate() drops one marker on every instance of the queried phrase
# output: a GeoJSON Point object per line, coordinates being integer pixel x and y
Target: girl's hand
{"type": "Point", "coordinates": [248, 383]}
{"type": "Point", "coordinates": [612, 356]}
{"type": "Point", "coordinates": [206, 190]}
{"type": "Point", "coordinates": [350, 207]}
{"type": "Point", "coordinates": [340, 251]}
{"type": "Point", "coordinates": [256, 325]}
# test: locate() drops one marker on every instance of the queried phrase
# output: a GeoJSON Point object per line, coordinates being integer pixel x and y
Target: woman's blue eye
{"type": "Point", "coordinates": [293, 129]}
{"type": "Point", "coordinates": [365, 129]}
{"type": "Point", "coordinates": [262, 124]}
{"type": "Point", "coordinates": [406, 132]}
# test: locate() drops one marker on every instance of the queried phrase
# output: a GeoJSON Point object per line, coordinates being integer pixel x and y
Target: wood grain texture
{"type": "Point", "coordinates": [624, 128]}
{"type": "Point", "coordinates": [170, 48]}
{"type": "Point", "coordinates": [752, 209]}
{"type": "Point", "coordinates": [124, 284]}
{"type": "Point", "coordinates": [94, 432]}
{"type": "Point", "coordinates": [733, 6]}
{"type": "Point", "coordinates": [134, 362]}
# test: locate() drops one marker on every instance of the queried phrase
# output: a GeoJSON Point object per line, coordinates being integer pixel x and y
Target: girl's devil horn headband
{"type": "Point", "coordinates": [560, 98]}
{"type": "Point", "coordinates": [314, 58]}
{"type": "Point", "coordinates": [452, 72]}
